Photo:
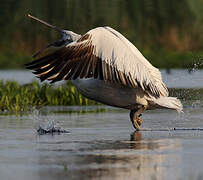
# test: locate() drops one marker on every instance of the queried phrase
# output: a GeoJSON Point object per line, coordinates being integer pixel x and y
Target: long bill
{"type": "Point", "coordinates": [57, 43]}
{"type": "Point", "coordinates": [45, 23]}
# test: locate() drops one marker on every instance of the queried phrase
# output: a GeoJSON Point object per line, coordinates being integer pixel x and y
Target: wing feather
{"type": "Point", "coordinates": [105, 54]}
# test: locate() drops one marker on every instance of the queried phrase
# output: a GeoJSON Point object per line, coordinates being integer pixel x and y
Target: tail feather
{"type": "Point", "coordinates": [170, 103]}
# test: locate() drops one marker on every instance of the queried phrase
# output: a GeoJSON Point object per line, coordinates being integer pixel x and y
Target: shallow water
{"type": "Point", "coordinates": [102, 145]}
{"type": "Point", "coordinates": [177, 78]}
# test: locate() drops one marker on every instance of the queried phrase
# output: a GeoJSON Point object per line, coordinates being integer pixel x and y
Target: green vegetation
{"type": "Point", "coordinates": [15, 97]}
{"type": "Point", "coordinates": [168, 33]}
{"type": "Point", "coordinates": [189, 97]}
{"type": "Point", "coordinates": [173, 59]}
{"type": "Point", "coordinates": [187, 94]}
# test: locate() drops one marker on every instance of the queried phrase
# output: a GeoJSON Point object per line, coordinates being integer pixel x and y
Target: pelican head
{"type": "Point", "coordinates": [70, 35]}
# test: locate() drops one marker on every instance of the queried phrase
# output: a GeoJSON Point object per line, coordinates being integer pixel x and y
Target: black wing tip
{"type": "Point", "coordinates": [28, 64]}
{"type": "Point", "coordinates": [52, 82]}
{"type": "Point", "coordinates": [32, 67]}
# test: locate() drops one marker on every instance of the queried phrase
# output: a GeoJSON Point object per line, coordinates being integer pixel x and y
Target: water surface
{"type": "Point", "coordinates": [102, 145]}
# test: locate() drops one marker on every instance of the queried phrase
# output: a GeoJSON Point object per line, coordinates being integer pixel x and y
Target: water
{"type": "Point", "coordinates": [180, 78]}
{"type": "Point", "coordinates": [102, 146]}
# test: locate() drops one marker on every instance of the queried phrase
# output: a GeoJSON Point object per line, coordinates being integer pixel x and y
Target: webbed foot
{"type": "Point", "coordinates": [135, 117]}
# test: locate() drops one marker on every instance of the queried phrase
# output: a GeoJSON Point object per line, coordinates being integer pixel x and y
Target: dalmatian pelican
{"type": "Point", "coordinates": [106, 67]}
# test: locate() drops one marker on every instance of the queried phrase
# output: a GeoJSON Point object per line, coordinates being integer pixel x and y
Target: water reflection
{"type": "Point", "coordinates": [140, 157]}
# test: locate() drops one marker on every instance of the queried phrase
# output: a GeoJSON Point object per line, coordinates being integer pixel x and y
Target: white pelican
{"type": "Point", "coordinates": [104, 66]}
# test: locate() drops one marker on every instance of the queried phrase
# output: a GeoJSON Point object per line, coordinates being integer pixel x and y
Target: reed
{"type": "Point", "coordinates": [20, 98]}
{"type": "Point", "coordinates": [16, 97]}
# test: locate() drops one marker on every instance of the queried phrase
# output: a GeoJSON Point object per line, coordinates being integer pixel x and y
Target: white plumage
{"type": "Point", "coordinates": [116, 50]}
{"type": "Point", "coordinates": [106, 67]}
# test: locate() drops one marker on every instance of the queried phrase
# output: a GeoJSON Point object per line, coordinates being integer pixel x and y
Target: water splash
{"type": "Point", "coordinates": [197, 65]}
{"type": "Point", "coordinates": [45, 126]}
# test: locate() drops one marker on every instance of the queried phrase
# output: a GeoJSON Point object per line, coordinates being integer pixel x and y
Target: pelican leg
{"type": "Point", "coordinates": [135, 117]}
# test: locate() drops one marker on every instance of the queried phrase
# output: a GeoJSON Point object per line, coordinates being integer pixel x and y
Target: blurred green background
{"type": "Point", "coordinates": [167, 32]}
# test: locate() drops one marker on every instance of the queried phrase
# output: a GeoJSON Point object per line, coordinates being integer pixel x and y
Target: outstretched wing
{"type": "Point", "coordinates": [105, 54]}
